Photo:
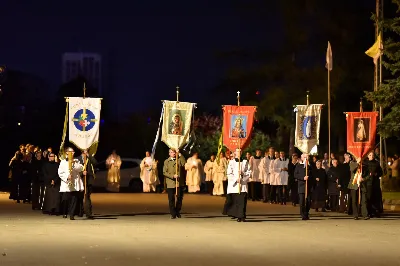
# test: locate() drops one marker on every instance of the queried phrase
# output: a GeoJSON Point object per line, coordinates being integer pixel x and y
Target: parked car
{"type": "Point", "coordinates": [130, 175]}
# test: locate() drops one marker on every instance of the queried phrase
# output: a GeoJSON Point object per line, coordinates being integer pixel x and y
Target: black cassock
{"type": "Point", "coordinates": [319, 190]}
{"type": "Point", "coordinates": [52, 198]}
{"type": "Point", "coordinates": [16, 179]}
{"type": "Point", "coordinates": [37, 183]}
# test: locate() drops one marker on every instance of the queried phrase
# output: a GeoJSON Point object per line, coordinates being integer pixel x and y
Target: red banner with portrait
{"type": "Point", "coordinates": [361, 132]}
{"type": "Point", "coordinates": [238, 126]}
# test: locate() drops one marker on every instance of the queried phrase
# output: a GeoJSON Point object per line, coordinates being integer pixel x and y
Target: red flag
{"type": "Point", "coordinates": [238, 126]}
{"type": "Point", "coordinates": [361, 132]}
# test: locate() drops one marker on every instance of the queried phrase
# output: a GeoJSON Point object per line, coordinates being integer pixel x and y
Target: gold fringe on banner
{"type": "Point", "coordinates": [61, 153]}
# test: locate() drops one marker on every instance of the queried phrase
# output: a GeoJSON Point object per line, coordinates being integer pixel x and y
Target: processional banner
{"type": "Point", "coordinates": [84, 121]}
{"type": "Point", "coordinates": [361, 132]}
{"type": "Point", "coordinates": [308, 118]}
{"type": "Point", "coordinates": [177, 118]}
{"type": "Point", "coordinates": [237, 126]}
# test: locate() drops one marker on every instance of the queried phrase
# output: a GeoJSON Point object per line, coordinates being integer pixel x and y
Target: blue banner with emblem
{"type": "Point", "coordinates": [84, 121]}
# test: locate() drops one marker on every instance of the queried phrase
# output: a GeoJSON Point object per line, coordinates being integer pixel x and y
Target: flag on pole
{"type": "Point", "coordinates": [376, 50]}
{"type": "Point", "coordinates": [329, 62]}
{"type": "Point", "coordinates": [308, 118]}
{"type": "Point", "coordinates": [177, 120]}
{"type": "Point", "coordinates": [84, 121]}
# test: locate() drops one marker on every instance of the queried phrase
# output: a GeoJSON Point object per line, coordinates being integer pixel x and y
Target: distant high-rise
{"type": "Point", "coordinates": [87, 65]}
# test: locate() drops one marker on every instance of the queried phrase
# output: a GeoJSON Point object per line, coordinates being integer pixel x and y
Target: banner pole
{"type": "Point", "coordinates": [177, 153]}
{"type": "Point", "coordinates": [306, 191]}
{"type": "Point", "coordinates": [240, 151]}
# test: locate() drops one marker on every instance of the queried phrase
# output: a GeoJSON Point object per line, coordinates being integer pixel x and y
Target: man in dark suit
{"type": "Point", "coordinates": [304, 183]}
{"type": "Point", "coordinates": [88, 177]}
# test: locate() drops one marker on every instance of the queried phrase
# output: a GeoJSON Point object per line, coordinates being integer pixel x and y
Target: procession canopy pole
{"type": "Point", "coordinates": [240, 151]}
{"type": "Point", "coordinates": [177, 153]}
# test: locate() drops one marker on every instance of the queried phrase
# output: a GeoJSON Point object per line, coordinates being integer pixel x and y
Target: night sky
{"type": "Point", "coordinates": [148, 47]}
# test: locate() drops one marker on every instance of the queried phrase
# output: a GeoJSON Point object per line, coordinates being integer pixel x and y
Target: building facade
{"type": "Point", "coordinates": [88, 65]}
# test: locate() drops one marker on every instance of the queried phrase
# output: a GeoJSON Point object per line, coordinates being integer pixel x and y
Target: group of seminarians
{"type": "Point", "coordinates": [239, 172]}
{"type": "Point", "coordinates": [63, 190]}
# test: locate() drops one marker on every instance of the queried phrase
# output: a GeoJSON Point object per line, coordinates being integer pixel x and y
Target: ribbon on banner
{"type": "Point", "coordinates": [153, 150]}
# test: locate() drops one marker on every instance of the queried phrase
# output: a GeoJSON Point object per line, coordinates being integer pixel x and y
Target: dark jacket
{"type": "Point", "coordinates": [353, 170]}
{"type": "Point", "coordinates": [333, 175]}
{"type": "Point", "coordinates": [319, 190]}
{"type": "Point", "coordinates": [345, 176]}
{"type": "Point", "coordinates": [299, 174]}
{"type": "Point", "coordinates": [169, 171]}
{"type": "Point", "coordinates": [91, 163]}
{"type": "Point", "coordinates": [50, 172]}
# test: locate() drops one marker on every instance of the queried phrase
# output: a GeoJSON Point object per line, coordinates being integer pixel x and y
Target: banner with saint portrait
{"type": "Point", "coordinates": [177, 118]}
{"type": "Point", "coordinates": [308, 118]}
{"type": "Point", "coordinates": [361, 132]}
{"type": "Point", "coordinates": [238, 126]}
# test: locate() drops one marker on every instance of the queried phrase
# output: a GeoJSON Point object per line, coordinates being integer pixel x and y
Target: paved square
{"type": "Point", "coordinates": [135, 229]}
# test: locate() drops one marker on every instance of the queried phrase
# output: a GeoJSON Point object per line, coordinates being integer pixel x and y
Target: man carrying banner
{"type": "Point", "coordinates": [354, 185]}
{"type": "Point", "coordinates": [302, 173]}
{"type": "Point", "coordinates": [370, 185]}
{"type": "Point", "coordinates": [88, 177]}
{"type": "Point", "coordinates": [308, 118]}
{"type": "Point", "coordinates": [176, 118]}
{"type": "Point", "coordinates": [171, 177]}
{"type": "Point", "coordinates": [238, 175]}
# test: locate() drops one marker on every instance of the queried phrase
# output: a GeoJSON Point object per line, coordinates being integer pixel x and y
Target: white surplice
{"type": "Point", "coordinates": [266, 170]}
{"type": "Point", "coordinates": [281, 177]}
{"type": "Point", "coordinates": [233, 176]}
{"type": "Point", "coordinates": [76, 180]}
{"type": "Point", "coordinates": [256, 173]}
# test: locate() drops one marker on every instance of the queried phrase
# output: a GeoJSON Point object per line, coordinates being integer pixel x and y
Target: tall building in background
{"type": "Point", "coordinates": [87, 65]}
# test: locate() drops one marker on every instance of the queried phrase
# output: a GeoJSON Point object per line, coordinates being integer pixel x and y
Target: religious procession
{"type": "Point", "coordinates": [62, 184]}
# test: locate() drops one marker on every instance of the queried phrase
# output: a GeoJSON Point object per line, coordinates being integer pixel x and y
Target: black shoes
{"type": "Point", "coordinates": [241, 220]}
{"type": "Point", "coordinates": [64, 216]}
{"type": "Point", "coordinates": [178, 215]}
{"type": "Point", "coordinates": [173, 217]}
{"type": "Point", "coordinates": [90, 217]}
{"type": "Point", "coordinates": [72, 218]}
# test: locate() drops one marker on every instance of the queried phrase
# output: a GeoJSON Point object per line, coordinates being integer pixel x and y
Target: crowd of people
{"type": "Point", "coordinates": [63, 187]}
{"type": "Point", "coordinates": [52, 185]}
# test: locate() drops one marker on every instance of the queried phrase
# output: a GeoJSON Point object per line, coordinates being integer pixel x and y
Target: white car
{"type": "Point", "coordinates": [130, 175]}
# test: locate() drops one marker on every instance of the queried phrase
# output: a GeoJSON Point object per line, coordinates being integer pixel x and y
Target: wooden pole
{"type": "Point", "coordinates": [378, 18]}
{"type": "Point", "coordinates": [306, 162]}
{"type": "Point", "coordinates": [359, 186]}
{"type": "Point", "coordinates": [329, 116]}
{"type": "Point", "coordinates": [85, 160]}
{"type": "Point", "coordinates": [240, 151]}
{"type": "Point", "coordinates": [177, 153]}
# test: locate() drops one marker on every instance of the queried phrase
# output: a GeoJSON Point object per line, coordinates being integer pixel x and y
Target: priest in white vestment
{"type": "Point", "coordinates": [149, 173]}
{"type": "Point", "coordinates": [219, 177]}
{"type": "Point", "coordinates": [238, 173]}
{"type": "Point", "coordinates": [281, 176]}
{"type": "Point", "coordinates": [194, 168]}
{"type": "Point", "coordinates": [72, 185]}
{"type": "Point", "coordinates": [209, 171]}
{"type": "Point", "coordinates": [113, 163]}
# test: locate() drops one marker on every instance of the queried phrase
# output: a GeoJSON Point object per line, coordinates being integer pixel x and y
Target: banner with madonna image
{"type": "Point", "coordinates": [308, 118]}
{"type": "Point", "coordinates": [177, 118]}
{"type": "Point", "coordinates": [237, 126]}
{"type": "Point", "coordinates": [361, 132]}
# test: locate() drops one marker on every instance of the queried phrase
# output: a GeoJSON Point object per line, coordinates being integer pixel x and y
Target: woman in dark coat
{"type": "Point", "coordinates": [52, 181]}
{"type": "Point", "coordinates": [333, 185]}
{"type": "Point", "coordinates": [319, 190]}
